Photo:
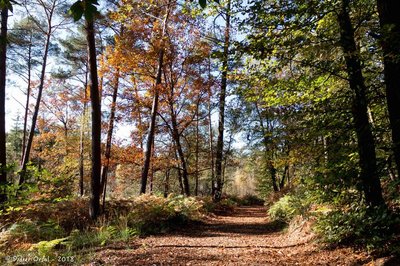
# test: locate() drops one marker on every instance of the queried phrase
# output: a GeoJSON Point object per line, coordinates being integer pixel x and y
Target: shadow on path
{"type": "Point", "coordinates": [244, 221]}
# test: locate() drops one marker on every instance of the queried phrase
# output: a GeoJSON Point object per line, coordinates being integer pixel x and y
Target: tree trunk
{"type": "Point", "coordinates": [179, 175]}
{"type": "Point", "coordinates": [185, 175]}
{"type": "Point", "coordinates": [81, 140]}
{"type": "Point", "coordinates": [267, 146]}
{"type": "Point", "coordinates": [285, 173]}
{"type": "Point", "coordinates": [166, 183]}
{"type": "Point", "coordinates": [150, 135]}
{"type": "Point", "coordinates": [28, 95]}
{"type": "Point", "coordinates": [107, 153]}
{"type": "Point", "coordinates": [154, 108]}
{"type": "Point", "coordinates": [35, 115]}
{"type": "Point", "coordinates": [390, 42]}
{"type": "Point", "coordinates": [177, 140]}
{"type": "Point", "coordinates": [95, 179]}
{"type": "Point", "coordinates": [211, 143]}
{"type": "Point", "coordinates": [220, 141]}
{"type": "Point", "coordinates": [3, 57]}
{"type": "Point", "coordinates": [196, 188]}
{"type": "Point", "coordinates": [272, 172]}
{"type": "Point", "coordinates": [366, 146]}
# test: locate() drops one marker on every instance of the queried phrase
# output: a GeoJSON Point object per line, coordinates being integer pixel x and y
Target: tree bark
{"type": "Point", "coordinates": [3, 59]}
{"type": "Point", "coordinates": [166, 183]}
{"type": "Point", "coordinates": [176, 137]}
{"type": "Point", "coordinates": [82, 138]}
{"type": "Point", "coordinates": [151, 133]}
{"type": "Point", "coordinates": [220, 141]}
{"type": "Point", "coordinates": [95, 179]}
{"type": "Point", "coordinates": [196, 187]}
{"type": "Point", "coordinates": [107, 153]}
{"type": "Point", "coordinates": [28, 147]}
{"type": "Point", "coordinates": [211, 140]}
{"type": "Point", "coordinates": [179, 174]}
{"type": "Point", "coordinates": [267, 146]}
{"type": "Point", "coordinates": [390, 28]}
{"type": "Point", "coordinates": [366, 146]}
{"type": "Point", "coordinates": [28, 94]}
{"type": "Point", "coordinates": [154, 108]}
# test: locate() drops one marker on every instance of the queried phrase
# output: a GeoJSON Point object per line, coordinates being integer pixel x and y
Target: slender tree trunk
{"type": "Point", "coordinates": [272, 172]}
{"type": "Point", "coordinates": [211, 144]}
{"type": "Point", "coordinates": [286, 169]}
{"type": "Point", "coordinates": [185, 175]}
{"type": "Point", "coordinates": [166, 183]}
{"type": "Point", "coordinates": [366, 146]}
{"type": "Point", "coordinates": [95, 180]}
{"type": "Point", "coordinates": [177, 141]}
{"type": "Point", "coordinates": [196, 188]}
{"type": "Point", "coordinates": [268, 148]}
{"type": "Point", "coordinates": [285, 173]}
{"type": "Point", "coordinates": [35, 115]}
{"type": "Point", "coordinates": [151, 175]}
{"type": "Point", "coordinates": [179, 173]}
{"type": "Point", "coordinates": [139, 117]}
{"type": "Point", "coordinates": [28, 95]}
{"type": "Point", "coordinates": [150, 135]}
{"type": "Point", "coordinates": [220, 141]}
{"type": "Point", "coordinates": [107, 153]}
{"type": "Point", "coordinates": [389, 11]}
{"type": "Point", "coordinates": [154, 108]}
{"type": "Point", "coordinates": [82, 139]}
{"type": "Point", "coordinates": [3, 57]}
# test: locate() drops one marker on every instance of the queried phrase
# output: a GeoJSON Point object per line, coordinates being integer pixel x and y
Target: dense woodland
{"type": "Point", "coordinates": [293, 102]}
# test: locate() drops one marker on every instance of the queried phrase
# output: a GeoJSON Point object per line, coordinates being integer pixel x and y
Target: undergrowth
{"type": "Point", "coordinates": [340, 218]}
{"type": "Point", "coordinates": [50, 232]}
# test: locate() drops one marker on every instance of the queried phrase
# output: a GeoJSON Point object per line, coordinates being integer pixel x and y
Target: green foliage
{"type": "Point", "coordinates": [36, 231]}
{"type": "Point", "coordinates": [297, 202]}
{"type": "Point", "coordinates": [46, 248]}
{"type": "Point", "coordinates": [283, 209]}
{"type": "Point", "coordinates": [153, 214]}
{"type": "Point", "coordinates": [369, 227]}
{"type": "Point", "coordinates": [98, 237]}
{"type": "Point", "coordinates": [85, 8]}
{"type": "Point", "coordinates": [57, 186]}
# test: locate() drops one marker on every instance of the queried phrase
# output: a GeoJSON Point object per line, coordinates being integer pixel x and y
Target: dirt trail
{"type": "Point", "coordinates": [245, 237]}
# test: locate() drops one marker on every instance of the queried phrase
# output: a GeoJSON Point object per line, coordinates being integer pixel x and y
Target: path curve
{"type": "Point", "coordinates": [245, 237]}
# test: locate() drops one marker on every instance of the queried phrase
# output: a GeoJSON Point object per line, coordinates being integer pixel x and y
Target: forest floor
{"type": "Point", "coordinates": [244, 237]}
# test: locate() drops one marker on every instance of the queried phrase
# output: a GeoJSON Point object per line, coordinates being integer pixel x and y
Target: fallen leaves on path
{"type": "Point", "coordinates": [245, 237]}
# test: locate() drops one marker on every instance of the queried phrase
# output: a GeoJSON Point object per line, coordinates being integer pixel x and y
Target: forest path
{"type": "Point", "coordinates": [245, 237]}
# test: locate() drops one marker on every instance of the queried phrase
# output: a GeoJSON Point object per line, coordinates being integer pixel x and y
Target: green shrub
{"type": "Point", "coordinates": [372, 228]}
{"type": "Point", "coordinates": [36, 231]}
{"type": "Point", "coordinates": [46, 248]}
{"type": "Point", "coordinates": [152, 214]}
{"type": "Point", "coordinates": [283, 210]}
